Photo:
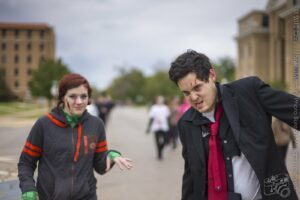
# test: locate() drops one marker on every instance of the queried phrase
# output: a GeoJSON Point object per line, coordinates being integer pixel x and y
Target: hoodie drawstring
{"type": "Point", "coordinates": [79, 131]}
{"type": "Point", "coordinates": [78, 142]}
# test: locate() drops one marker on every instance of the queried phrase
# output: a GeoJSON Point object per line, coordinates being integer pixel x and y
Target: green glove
{"type": "Point", "coordinates": [113, 154]}
{"type": "Point", "coordinates": [31, 195]}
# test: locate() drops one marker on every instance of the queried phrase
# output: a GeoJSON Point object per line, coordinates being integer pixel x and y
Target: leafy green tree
{"type": "Point", "coordinates": [225, 69]}
{"type": "Point", "coordinates": [160, 84]}
{"type": "Point", "coordinates": [128, 85]}
{"type": "Point", "coordinates": [42, 80]}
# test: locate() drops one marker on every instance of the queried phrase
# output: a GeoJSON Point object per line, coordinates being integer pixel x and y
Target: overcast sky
{"type": "Point", "coordinates": [96, 37]}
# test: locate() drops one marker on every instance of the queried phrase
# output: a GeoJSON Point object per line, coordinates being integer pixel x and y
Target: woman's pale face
{"type": "Point", "coordinates": [76, 100]}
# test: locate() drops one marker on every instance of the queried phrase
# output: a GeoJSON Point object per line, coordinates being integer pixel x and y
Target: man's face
{"type": "Point", "coordinates": [201, 95]}
{"type": "Point", "coordinates": [76, 100]}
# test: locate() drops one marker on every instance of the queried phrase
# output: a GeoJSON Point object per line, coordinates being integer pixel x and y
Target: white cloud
{"type": "Point", "coordinates": [95, 36]}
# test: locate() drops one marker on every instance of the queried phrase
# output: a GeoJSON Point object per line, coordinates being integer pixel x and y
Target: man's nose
{"type": "Point", "coordinates": [194, 96]}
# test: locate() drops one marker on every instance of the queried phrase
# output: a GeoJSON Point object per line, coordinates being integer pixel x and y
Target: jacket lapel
{"type": "Point", "coordinates": [198, 143]}
{"type": "Point", "coordinates": [231, 110]}
{"type": "Point", "coordinates": [196, 132]}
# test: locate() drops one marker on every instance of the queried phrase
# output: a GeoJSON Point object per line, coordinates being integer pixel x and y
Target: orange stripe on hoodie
{"type": "Point", "coordinates": [56, 122]}
{"type": "Point", "coordinates": [33, 147]}
{"type": "Point", "coordinates": [63, 125]}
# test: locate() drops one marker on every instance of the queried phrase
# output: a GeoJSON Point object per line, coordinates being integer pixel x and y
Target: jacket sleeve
{"type": "Point", "coordinates": [187, 180]}
{"type": "Point", "coordinates": [31, 153]}
{"type": "Point", "coordinates": [101, 151]}
{"type": "Point", "coordinates": [282, 105]}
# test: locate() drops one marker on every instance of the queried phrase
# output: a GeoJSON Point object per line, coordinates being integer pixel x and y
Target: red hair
{"type": "Point", "coordinates": [70, 81]}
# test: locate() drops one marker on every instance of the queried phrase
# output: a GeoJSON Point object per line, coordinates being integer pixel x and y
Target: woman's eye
{"type": "Point", "coordinates": [84, 96]}
{"type": "Point", "coordinates": [73, 96]}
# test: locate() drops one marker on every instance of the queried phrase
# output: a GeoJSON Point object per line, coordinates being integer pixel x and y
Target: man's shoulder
{"type": "Point", "coordinates": [246, 84]}
{"type": "Point", "coordinates": [187, 115]}
{"type": "Point", "coordinates": [244, 81]}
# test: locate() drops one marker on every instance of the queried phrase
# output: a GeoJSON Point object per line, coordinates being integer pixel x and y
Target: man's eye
{"type": "Point", "coordinates": [197, 88]}
{"type": "Point", "coordinates": [186, 94]}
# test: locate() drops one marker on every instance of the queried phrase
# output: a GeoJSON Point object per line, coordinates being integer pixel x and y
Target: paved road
{"type": "Point", "coordinates": [150, 179]}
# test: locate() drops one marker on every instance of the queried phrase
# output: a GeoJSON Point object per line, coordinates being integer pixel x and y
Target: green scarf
{"type": "Point", "coordinates": [72, 119]}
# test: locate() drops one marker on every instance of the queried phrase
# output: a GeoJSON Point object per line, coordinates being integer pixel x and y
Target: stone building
{"type": "Point", "coordinates": [23, 46]}
{"type": "Point", "coordinates": [268, 43]}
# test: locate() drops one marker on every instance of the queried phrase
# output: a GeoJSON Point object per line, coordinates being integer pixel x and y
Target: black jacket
{"type": "Point", "coordinates": [66, 157]}
{"type": "Point", "coordinates": [249, 104]}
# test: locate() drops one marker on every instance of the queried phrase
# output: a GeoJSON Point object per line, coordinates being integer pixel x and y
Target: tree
{"type": "Point", "coordinates": [128, 85]}
{"type": "Point", "coordinates": [43, 77]}
{"type": "Point", "coordinates": [160, 84]}
{"type": "Point", "coordinates": [225, 69]}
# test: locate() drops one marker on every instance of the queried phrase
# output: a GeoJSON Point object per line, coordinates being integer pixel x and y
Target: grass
{"type": "Point", "coordinates": [20, 109]}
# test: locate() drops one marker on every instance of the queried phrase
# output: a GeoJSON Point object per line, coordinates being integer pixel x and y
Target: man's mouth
{"type": "Point", "coordinates": [199, 105]}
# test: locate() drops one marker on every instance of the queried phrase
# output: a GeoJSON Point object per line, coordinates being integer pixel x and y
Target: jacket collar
{"type": "Point", "coordinates": [227, 96]}
{"type": "Point", "coordinates": [58, 117]}
{"type": "Point", "coordinates": [196, 117]}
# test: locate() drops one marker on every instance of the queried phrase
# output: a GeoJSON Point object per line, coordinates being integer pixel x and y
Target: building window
{"type": "Point", "coordinates": [42, 46]}
{"type": "Point", "coordinates": [29, 71]}
{"type": "Point", "coordinates": [29, 32]}
{"type": "Point", "coordinates": [265, 21]}
{"type": "Point", "coordinates": [16, 59]}
{"type": "Point", "coordinates": [3, 46]}
{"type": "Point", "coordinates": [28, 59]}
{"type": "Point", "coordinates": [16, 47]}
{"type": "Point", "coordinates": [3, 59]}
{"type": "Point", "coordinates": [29, 46]}
{"type": "Point", "coordinates": [42, 34]}
{"type": "Point", "coordinates": [3, 33]}
{"type": "Point", "coordinates": [16, 84]}
{"type": "Point", "coordinates": [16, 71]}
{"type": "Point", "coordinates": [16, 34]}
{"type": "Point", "coordinates": [295, 2]}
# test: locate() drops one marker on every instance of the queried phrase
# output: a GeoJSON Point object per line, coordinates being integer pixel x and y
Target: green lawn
{"type": "Point", "coordinates": [21, 109]}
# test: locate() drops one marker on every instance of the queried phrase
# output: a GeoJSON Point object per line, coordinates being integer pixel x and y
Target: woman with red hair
{"type": "Point", "coordinates": [68, 144]}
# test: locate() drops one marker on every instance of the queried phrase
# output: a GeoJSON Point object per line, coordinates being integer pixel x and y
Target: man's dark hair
{"type": "Point", "coordinates": [190, 61]}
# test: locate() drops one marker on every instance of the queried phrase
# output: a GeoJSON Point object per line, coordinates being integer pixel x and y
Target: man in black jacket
{"type": "Point", "coordinates": [228, 144]}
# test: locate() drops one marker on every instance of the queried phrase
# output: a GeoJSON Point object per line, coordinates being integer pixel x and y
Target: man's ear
{"type": "Point", "coordinates": [212, 75]}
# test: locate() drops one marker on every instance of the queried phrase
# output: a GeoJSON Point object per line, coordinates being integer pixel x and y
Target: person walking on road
{"type": "Point", "coordinates": [227, 142]}
{"type": "Point", "coordinates": [67, 145]}
{"type": "Point", "coordinates": [174, 116]}
{"type": "Point", "coordinates": [159, 114]}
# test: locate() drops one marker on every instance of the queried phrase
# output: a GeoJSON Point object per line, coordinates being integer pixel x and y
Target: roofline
{"type": "Point", "coordinates": [22, 26]}
{"type": "Point", "coordinates": [250, 13]}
